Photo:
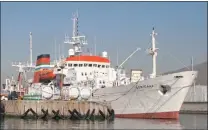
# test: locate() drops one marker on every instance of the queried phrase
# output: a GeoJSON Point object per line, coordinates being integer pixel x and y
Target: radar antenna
{"type": "Point", "coordinates": [76, 40]}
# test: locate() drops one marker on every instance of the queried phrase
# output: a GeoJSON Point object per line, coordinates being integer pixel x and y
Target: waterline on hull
{"type": "Point", "coordinates": [157, 115]}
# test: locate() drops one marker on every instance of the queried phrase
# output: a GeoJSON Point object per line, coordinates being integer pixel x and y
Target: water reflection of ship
{"type": "Point", "coordinates": [146, 124]}
{"type": "Point", "coordinates": [116, 124]}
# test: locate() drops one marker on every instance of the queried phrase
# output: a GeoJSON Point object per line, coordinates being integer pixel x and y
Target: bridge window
{"type": "Point", "coordinates": [85, 65]}
{"type": "Point", "coordinates": [103, 66]}
{"type": "Point", "coordinates": [80, 65]}
{"type": "Point", "coordinates": [90, 65]}
{"type": "Point", "coordinates": [65, 64]}
{"type": "Point", "coordinates": [85, 74]}
{"type": "Point", "coordinates": [75, 65]}
{"type": "Point", "coordinates": [70, 65]}
{"type": "Point", "coordinates": [94, 65]}
{"type": "Point", "coordinates": [107, 66]}
{"type": "Point", "coordinates": [99, 66]}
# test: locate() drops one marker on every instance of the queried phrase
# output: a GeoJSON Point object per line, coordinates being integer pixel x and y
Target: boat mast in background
{"type": "Point", "coordinates": [31, 63]}
{"type": "Point", "coordinates": [194, 88]}
{"type": "Point", "coordinates": [23, 68]}
{"type": "Point", "coordinates": [95, 46]}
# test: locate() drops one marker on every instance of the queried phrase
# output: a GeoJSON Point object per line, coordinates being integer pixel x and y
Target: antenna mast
{"type": "Point", "coordinates": [62, 54]}
{"type": "Point", "coordinates": [77, 41]}
{"type": "Point", "coordinates": [117, 56]}
{"type": "Point", "coordinates": [95, 45]}
{"type": "Point", "coordinates": [153, 52]}
{"type": "Point", "coordinates": [31, 48]}
{"type": "Point", "coordinates": [192, 62]}
{"type": "Point", "coordinates": [75, 25]}
{"type": "Point", "coordinates": [55, 51]}
{"type": "Point", "coordinates": [59, 51]}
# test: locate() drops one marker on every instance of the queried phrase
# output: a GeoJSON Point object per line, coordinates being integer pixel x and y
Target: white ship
{"type": "Point", "coordinates": [135, 97]}
{"type": "Point", "coordinates": [83, 76]}
{"type": "Point", "coordinates": [156, 97]}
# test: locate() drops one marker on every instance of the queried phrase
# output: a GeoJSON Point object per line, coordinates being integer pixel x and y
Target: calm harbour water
{"type": "Point", "coordinates": [186, 121]}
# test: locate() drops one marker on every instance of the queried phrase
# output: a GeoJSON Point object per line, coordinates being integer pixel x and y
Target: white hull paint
{"type": "Point", "coordinates": [132, 102]}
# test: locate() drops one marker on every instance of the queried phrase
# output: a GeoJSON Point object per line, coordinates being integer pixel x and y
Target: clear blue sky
{"type": "Point", "coordinates": [181, 28]}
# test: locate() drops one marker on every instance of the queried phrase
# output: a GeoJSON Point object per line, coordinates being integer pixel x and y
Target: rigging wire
{"type": "Point", "coordinates": [169, 98]}
{"type": "Point", "coordinates": [122, 93]}
{"type": "Point", "coordinates": [154, 104]}
{"type": "Point", "coordinates": [175, 58]}
{"type": "Point", "coordinates": [127, 91]}
{"type": "Point", "coordinates": [160, 98]}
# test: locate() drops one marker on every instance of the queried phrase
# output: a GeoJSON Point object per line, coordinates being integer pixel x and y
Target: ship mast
{"type": "Point", "coordinates": [75, 24]}
{"type": "Point", "coordinates": [153, 52]}
{"type": "Point", "coordinates": [22, 67]}
{"type": "Point", "coordinates": [76, 40]}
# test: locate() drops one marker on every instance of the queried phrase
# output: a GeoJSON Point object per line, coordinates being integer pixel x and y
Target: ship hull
{"type": "Point", "coordinates": [161, 97]}
{"type": "Point", "coordinates": [156, 115]}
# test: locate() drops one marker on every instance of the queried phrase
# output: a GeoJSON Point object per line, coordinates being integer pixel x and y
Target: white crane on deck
{"type": "Point", "coordinates": [118, 68]}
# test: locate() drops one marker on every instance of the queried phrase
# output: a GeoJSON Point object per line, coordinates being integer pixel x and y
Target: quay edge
{"type": "Point", "coordinates": [52, 109]}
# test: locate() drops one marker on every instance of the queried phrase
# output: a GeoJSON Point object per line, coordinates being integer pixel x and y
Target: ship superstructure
{"type": "Point", "coordinates": [90, 67]}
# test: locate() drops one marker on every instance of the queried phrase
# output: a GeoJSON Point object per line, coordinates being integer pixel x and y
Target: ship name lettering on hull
{"type": "Point", "coordinates": [144, 86]}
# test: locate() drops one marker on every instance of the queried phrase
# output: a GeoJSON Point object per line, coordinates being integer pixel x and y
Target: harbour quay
{"type": "Point", "coordinates": [52, 109]}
